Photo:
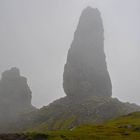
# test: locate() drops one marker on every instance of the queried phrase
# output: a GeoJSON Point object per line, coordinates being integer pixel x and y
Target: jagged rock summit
{"type": "Point", "coordinates": [86, 71]}
{"type": "Point", "coordinates": [15, 95]}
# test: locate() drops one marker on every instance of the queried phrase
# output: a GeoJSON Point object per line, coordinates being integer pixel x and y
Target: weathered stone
{"type": "Point", "coordinates": [86, 72]}
{"type": "Point", "coordinates": [15, 95]}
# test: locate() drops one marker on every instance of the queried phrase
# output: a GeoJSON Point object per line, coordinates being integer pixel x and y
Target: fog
{"type": "Point", "coordinates": [35, 36]}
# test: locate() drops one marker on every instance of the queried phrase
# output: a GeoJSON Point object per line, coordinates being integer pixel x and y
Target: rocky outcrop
{"type": "Point", "coordinates": [86, 83]}
{"type": "Point", "coordinates": [68, 113]}
{"type": "Point", "coordinates": [86, 72]}
{"type": "Point", "coordinates": [15, 96]}
{"type": "Point", "coordinates": [13, 137]}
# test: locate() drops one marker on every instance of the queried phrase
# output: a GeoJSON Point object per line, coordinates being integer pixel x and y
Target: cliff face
{"type": "Point", "coordinates": [15, 95]}
{"type": "Point", "coordinates": [86, 83]}
{"type": "Point", "coordinates": [86, 72]}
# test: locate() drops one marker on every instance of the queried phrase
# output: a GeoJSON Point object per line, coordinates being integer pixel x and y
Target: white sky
{"type": "Point", "coordinates": [35, 36]}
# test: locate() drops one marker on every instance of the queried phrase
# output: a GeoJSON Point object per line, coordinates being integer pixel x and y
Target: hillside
{"type": "Point", "coordinates": [69, 113]}
{"type": "Point", "coordinates": [123, 128]}
{"type": "Point", "coordinates": [126, 127]}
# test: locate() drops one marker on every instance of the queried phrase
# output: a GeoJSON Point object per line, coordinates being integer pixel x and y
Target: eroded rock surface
{"type": "Point", "coordinates": [86, 71]}
{"type": "Point", "coordinates": [15, 96]}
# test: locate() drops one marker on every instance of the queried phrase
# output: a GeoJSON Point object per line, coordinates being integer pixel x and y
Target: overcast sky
{"type": "Point", "coordinates": [35, 36]}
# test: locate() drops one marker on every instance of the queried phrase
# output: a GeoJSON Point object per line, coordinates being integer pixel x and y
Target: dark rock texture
{"type": "Point", "coordinates": [86, 72]}
{"type": "Point", "coordinates": [86, 83]}
{"type": "Point", "coordinates": [15, 96]}
{"type": "Point", "coordinates": [14, 137]}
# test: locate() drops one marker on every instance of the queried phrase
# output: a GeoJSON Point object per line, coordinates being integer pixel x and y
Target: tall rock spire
{"type": "Point", "coordinates": [85, 72]}
{"type": "Point", "coordinates": [15, 95]}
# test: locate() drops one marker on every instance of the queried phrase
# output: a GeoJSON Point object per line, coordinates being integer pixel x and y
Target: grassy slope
{"type": "Point", "coordinates": [68, 113]}
{"type": "Point", "coordinates": [123, 128]}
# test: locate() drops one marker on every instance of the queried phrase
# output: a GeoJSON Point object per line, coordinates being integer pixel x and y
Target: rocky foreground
{"type": "Point", "coordinates": [13, 137]}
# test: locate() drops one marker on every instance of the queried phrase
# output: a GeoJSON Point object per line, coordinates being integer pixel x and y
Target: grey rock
{"type": "Point", "coordinates": [15, 96]}
{"type": "Point", "coordinates": [85, 71]}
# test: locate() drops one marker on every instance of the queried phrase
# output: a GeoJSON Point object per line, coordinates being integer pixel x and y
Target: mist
{"type": "Point", "coordinates": [35, 36]}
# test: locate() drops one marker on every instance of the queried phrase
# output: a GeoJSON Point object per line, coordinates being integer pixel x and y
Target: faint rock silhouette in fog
{"type": "Point", "coordinates": [15, 95]}
{"type": "Point", "coordinates": [86, 72]}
